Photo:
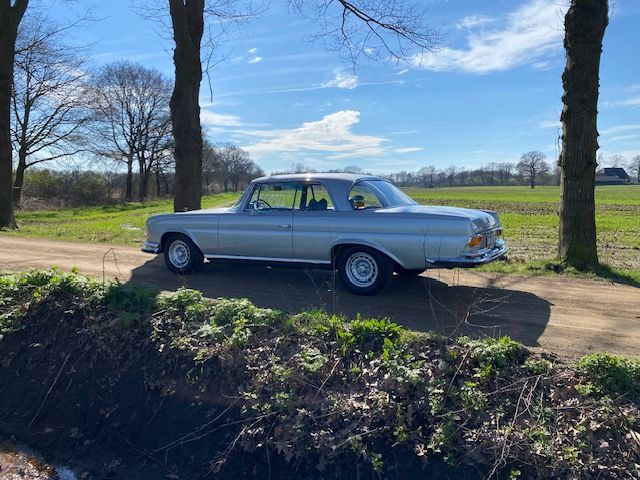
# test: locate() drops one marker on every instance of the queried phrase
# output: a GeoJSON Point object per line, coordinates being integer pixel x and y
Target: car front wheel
{"type": "Point", "coordinates": [182, 255]}
{"type": "Point", "coordinates": [364, 271]}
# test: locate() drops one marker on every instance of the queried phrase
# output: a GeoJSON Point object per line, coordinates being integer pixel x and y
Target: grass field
{"type": "Point", "coordinates": [529, 217]}
{"type": "Point", "coordinates": [120, 224]}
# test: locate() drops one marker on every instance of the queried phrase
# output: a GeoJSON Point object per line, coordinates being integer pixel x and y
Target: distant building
{"type": "Point", "coordinates": [612, 176]}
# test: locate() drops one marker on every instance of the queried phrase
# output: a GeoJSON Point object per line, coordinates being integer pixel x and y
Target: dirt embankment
{"type": "Point", "coordinates": [120, 384]}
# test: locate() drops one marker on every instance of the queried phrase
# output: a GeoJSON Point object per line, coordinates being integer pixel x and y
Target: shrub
{"type": "Point", "coordinates": [495, 355]}
{"type": "Point", "coordinates": [369, 334]}
{"type": "Point", "coordinates": [611, 374]}
{"type": "Point", "coordinates": [186, 304]}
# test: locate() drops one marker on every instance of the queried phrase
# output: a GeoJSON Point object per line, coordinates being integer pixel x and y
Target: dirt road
{"type": "Point", "coordinates": [568, 317]}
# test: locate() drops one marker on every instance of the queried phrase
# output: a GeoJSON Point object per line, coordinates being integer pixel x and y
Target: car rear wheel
{"type": "Point", "coordinates": [364, 271]}
{"type": "Point", "coordinates": [182, 255]}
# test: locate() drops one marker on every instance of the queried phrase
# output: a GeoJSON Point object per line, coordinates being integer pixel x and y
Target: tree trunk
{"type": "Point", "coordinates": [585, 24]}
{"type": "Point", "coordinates": [10, 17]}
{"type": "Point", "coordinates": [128, 196]}
{"type": "Point", "coordinates": [19, 178]}
{"type": "Point", "coordinates": [187, 18]}
{"type": "Point", "coordinates": [157, 175]}
{"type": "Point", "coordinates": [143, 179]}
{"type": "Point", "coordinates": [533, 180]}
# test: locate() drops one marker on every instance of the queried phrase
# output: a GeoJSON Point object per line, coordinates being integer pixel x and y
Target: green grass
{"type": "Point", "coordinates": [117, 224]}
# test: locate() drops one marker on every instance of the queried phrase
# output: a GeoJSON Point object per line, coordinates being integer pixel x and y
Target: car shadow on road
{"type": "Point", "coordinates": [420, 303]}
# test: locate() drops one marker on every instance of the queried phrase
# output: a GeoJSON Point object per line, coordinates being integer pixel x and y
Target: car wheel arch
{"type": "Point", "coordinates": [338, 248]}
{"type": "Point", "coordinates": [167, 235]}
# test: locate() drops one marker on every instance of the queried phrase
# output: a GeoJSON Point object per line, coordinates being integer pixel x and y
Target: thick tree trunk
{"type": "Point", "coordinates": [18, 181]}
{"type": "Point", "coordinates": [585, 24]}
{"type": "Point", "coordinates": [128, 196]}
{"type": "Point", "coordinates": [10, 17]}
{"type": "Point", "coordinates": [187, 18]}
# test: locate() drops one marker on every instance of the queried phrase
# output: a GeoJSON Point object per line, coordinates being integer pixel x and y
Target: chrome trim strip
{"type": "Point", "coordinates": [271, 259]}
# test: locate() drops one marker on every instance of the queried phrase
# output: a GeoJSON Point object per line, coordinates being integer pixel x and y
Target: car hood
{"type": "Point", "coordinates": [482, 220]}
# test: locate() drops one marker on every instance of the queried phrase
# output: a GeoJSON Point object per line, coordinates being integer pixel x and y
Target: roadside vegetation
{"type": "Point", "coordinates": [124, 381]}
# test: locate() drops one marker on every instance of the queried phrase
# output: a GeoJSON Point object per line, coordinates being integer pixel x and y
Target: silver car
{"type": "Point", "coordinates": [362, 225]}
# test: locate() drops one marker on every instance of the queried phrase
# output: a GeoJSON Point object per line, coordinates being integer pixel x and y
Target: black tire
{"type": "Point", "coordinates": [182, 255]}
{"type": "Point", "coordinates": [408, 273]}
{"type": "Point", "coordinates": [370, 266]}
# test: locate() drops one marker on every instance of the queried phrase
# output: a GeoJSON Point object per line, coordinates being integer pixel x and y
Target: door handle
{"type": "Point", "coordinates": [284, 225]}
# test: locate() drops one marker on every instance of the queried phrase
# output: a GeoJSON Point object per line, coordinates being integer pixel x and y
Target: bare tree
{"type": "Point", "coordinates": [131, 121]}
{"type": "Point", "coordinates": [585, 24]}
{"type": "Point", "coordinates": [634, 167]}
{"type": "Point", "coordinates": [11, 14]}
{"type": "Point", "coordinates": [617, 161]}
{"type": "Point", "coordinates": [531, 165]}
{"type": "Point", "coordinates": [49, 101]}
{"type": "Point", "coordinates": [427, 175]}
{"type": "Point", "coordinates": [370, 28]}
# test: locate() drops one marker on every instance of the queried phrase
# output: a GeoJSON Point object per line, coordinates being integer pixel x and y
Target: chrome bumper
{"type": "Point", "coordinates": [473, 260]}
{"type": "Point", "coordinates": [151, 247]}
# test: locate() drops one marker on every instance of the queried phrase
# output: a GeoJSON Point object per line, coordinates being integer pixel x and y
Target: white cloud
{"type": "Point", "coordinates": [332, 134]}
{"type": "Point", "coordinates": [403, 71]}
{"type": "Point", "coordinates": [212, 119]}
{"type": "Point", "coordinates": [408, 149]}
{"type": "Point", "coordinates": [550, 124]}
{"type": "Point", "coordinates": [472, 21]}
{"type": "Point", "coordinates": [619, 129]}
{"type": "Point", "coordinates": [255, 59]}
{"type": "Point", "coordinates": [628, 102]}
{"type": "Point", "coordinates": [621, 138]}
{"type": "Point", "coordinates": [526, 35]}
{"type": "Point", "coordinates": [404, 132]}
{"type": "Point", "coordinates": [342, 79]}
{"type": "Point", "coordinates": [252, 51]}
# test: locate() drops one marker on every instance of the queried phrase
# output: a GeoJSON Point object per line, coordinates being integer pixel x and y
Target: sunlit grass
{"type": "Point", "coordinates": [119, 224]}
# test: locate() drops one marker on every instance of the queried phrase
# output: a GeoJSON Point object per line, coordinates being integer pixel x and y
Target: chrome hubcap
{"type": "Point", "coordinates": [362, 269]}
{"type": "Point", "coordinates": [179, 254]}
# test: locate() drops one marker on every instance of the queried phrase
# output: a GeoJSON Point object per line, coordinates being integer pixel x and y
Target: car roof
{"type": "Point", "coordinates": [302, 177]}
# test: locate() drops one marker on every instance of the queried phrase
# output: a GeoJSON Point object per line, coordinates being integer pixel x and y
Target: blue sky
{"type": "Point", "coordinates": [491, 93]}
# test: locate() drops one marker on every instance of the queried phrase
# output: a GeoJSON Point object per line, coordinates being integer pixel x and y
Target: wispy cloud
{"type": "Point", "coordinates": [342, 79]}
{"type": "Point", "coordinates": [405, 132]}
{"type": "Point", "coordinates": [550, 124]}
{"type": "Point", "coordinates": [472, 21]}
{"type": "Point", "coordinates": [619, 129]}
{"type": "Point", "coordinates": [252, 51]}
{"type": "Point", "coordinates": [526, 35]}
{"type": "Point", "coordinates": [403, 71]}
{"type": "Point", "coordinates": [213, 121]}
{"type": "Point", "coordinates": [256, 59]}
{"type": "Point", "coordinates": [626, 102]}
{"type": "Point", "coordinates": [408, 149]}
{"type": "Point", "coordinates": [332, 134]}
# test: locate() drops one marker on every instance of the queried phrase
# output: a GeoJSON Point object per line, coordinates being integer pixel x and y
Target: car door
{"type": "Point", "coordinates": [313, 217]}
{"type": "Point", "coordinates": [263, 229]}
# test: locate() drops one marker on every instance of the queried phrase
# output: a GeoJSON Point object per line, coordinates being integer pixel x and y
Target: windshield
{"type": "Point", "coordinates": [378, 194]}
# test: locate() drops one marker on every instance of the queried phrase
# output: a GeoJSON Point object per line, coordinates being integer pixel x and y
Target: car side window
{"type": "Point", "coordinates": [314, 197]}
{"type": "Point", "coordinates": [273, 196]}
{"type": "Point", "coordinates": [362, 197]}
